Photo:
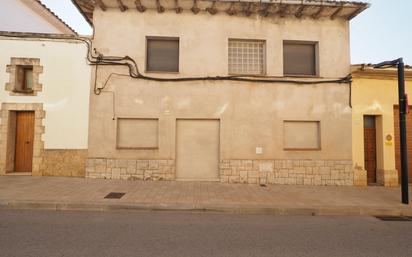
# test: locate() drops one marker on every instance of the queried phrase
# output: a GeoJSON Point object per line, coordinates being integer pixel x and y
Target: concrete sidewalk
{"type": "Point", "coordinates": [57, 193]}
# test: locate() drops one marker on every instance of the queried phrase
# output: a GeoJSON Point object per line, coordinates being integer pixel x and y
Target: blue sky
{"type": "Point", "coordinates": [383, 32]}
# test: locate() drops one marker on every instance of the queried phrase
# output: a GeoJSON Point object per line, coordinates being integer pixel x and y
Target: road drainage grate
{"type": "Point", "coordinates": [394, 218]}
{"type": "Point", "coordinates": [114, 195]}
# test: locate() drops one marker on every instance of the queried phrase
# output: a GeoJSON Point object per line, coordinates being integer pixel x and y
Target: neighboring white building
{"type": "Point", "coordinates": [44, 92]}
{"type": "Point", "coordinates": [30, 16]}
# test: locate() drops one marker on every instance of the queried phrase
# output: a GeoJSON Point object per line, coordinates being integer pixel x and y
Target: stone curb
{"type": "Point", "coordinates": [315, 211]}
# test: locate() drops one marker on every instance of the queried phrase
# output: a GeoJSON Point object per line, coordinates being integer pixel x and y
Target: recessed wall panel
{"type": "Point", "coordinates": [301, 135]}
{"type": "Point", "coordinates": [137, 133]}
{"type": "Point", "coordinates": [197, 149]}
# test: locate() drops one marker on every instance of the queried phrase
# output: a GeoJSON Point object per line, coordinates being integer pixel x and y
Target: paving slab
{"type": "Point", "coordinates": [60, 193]}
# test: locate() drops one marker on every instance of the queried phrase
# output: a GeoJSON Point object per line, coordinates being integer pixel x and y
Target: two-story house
{"type": "Point", "coordinates": [230, 91]}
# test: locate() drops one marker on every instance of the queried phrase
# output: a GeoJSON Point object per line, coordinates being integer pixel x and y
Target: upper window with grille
{"type": "Point", "coordinates": [246, 57]}
{"type": "Point", "coordinates": [24, 78]}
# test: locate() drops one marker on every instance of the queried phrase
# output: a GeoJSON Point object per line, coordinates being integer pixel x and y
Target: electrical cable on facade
{"type": "Point", "coordinates": [129, 62]}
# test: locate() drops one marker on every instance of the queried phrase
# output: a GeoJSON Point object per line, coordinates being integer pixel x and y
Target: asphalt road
{"type": "Point", "coordinates": [62, 234]}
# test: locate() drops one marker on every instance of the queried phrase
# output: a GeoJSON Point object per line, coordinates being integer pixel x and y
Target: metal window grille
{"type": "Point", "coordinates": [246, 57]}
{"type": "Point", "coordinates": [24, 77]}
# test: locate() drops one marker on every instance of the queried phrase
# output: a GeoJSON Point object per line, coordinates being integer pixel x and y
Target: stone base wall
{"type": "Point", "coordinates": [388, 178]}
{"type": "Point", "coordinates": [285, 172]}
{"type": "Point", "coordinates": [288, 172]}
{"type": "Point", "coordinates": [64, 162]}
{"type": "Point", "coordinates": [130, 169]}
{"type": "Point", "coordinates": [360, 177]}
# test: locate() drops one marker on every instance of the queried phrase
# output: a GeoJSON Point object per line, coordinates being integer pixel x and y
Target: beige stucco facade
{"type": "Point", "coordinates": [251, 116]}
{"type": "Point", "coordinates": [375, 92]}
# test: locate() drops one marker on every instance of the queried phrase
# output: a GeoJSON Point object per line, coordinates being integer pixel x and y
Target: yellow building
{"type": "Point", "coordinates": [375, 125]}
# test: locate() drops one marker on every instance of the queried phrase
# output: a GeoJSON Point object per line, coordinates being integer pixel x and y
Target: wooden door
{"type": "Point", "coordinates": [369, 136]}
{"type": "Point", "coordinates": [24, 142]}
{"type": "Point", "coordinates": [398, 140]}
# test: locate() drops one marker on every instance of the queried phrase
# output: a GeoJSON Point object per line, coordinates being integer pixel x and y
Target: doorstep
{"type": "Point", "coordinates": [18, 174]}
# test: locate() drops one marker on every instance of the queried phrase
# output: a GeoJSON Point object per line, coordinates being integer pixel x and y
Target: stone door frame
{"type": "Point", "coordinates": [6, 160]}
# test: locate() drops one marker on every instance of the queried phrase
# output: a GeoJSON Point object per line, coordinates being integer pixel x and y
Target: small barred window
{"type": "Point", "coordinates": [24, 76]}
{"type": "Point", "coordinates": [246, 57]}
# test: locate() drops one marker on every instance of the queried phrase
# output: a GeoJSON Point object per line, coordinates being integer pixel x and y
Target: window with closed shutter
{"type": "Point", "coordinates": [299, 58]}
{"type": "Point", "coordinates": [162, 54]}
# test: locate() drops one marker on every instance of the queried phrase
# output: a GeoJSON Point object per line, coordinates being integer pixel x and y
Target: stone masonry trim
{"type": "Point", "coordinates": [130, 169]}
{"type": "Point", "coordinates": [288, 172]}
{"type": "Point", "coordinates": [12, 69]}
{"type": "Point", "coordinates": [38, 143]}
{"type": "Point", "coordinates": [285, 172]}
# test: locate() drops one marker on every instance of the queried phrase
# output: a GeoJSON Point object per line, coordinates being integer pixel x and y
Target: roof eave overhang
{"type": "Point", "coordinates": [83, 11]}
{"type": "Point", "coordinates": [282, 8]}
{"type": "Point", "coordinates": [42, 9]}
{"type": "Point", "coordinates": [368, 71]}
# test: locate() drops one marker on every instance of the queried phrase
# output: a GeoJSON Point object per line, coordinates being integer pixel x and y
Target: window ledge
{"type": "Point", "coordinates": [137, 148]}
{"type": "Point", "coordinates": [26, 91]}
{"type": "Point", "coordinates": [302, 76]}
{"type": "Point", "coordinates": [248, 74]}
{"type": "Point", "coordinates": [163, 72]}
{"type": "Point", "coordinates": [302, 149]}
